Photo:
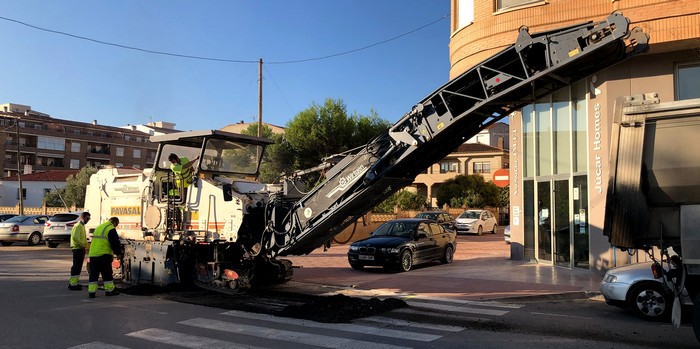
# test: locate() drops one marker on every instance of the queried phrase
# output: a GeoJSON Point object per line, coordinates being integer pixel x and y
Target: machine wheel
{"type": "Point", "coordinates": [406, 261]}
{"type": "Point", "coordinates": [357, 266]}
{"type": "Point", "coordinates": [479, 230]}
{"type": "Point", "coordinates": [51, 244]}
{"type": "Point", "coordinates": [649, 301]}
{"type": "Point", "coordinates": [495, 226]}
{"type": "Point", "coordinates": [34, 238]}
{"type": "Point", "coordinates": [6, 243]}
{"type": "Point", "coordinates": [448, 257]}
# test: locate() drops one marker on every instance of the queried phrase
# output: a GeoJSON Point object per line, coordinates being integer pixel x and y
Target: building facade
{"type": "Point", "coordinates": [559, 145]}
{"type": "Point", "coordinates": [35, 186]}
{"type": "Point", "coordinates": [35, 142]}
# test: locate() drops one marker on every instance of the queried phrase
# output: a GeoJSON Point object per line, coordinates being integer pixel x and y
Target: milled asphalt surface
{"type": "Point", "coordinates": [482, 270]}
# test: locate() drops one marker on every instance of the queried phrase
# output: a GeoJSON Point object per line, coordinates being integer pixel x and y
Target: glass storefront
{"type": "Point", "coordinates": [555, 190]}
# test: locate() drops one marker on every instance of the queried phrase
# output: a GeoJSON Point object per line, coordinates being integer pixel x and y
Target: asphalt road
{"type": "Point", "coordinates": [39, 312]}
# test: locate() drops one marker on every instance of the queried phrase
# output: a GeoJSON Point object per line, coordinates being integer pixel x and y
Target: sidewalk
{"type": "Point", "coordinates": [481, 271]}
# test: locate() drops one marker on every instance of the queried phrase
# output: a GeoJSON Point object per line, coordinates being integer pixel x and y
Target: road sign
{"type": "Point", "coordinates": [501, 178]}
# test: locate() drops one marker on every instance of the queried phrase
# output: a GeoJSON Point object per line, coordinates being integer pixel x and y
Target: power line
{"type": "Point", "coordinates": [225, 60]}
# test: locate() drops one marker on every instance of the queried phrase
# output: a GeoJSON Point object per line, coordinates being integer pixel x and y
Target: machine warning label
{"type": "Point", "coordinates": [125, 211]}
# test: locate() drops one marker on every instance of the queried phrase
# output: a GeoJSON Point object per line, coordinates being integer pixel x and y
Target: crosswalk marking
{"type": "Point", "coordinates": [97, 345]}
{"type": "Point", "coordinates": [185, 340]}
{"type": "Point", "coordinates": [405, 323]}
{"type": "Point", "coordinates": [458, 309]}
{"type": "Point", "coordinates": [288, 336]}
{"type": "Point", "coordinates": [384, 332]}
{"type": "Point", "coordinates": [414, 311]}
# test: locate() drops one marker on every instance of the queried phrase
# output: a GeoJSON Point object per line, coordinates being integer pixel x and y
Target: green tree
{"type": "Point", "coordinates": [324, 130]}
{"type": "Point", "coordinates": [73, 194]}
{"type": "Point", "coordinates": [468, 191]}
{"type": "Point", "coordinates": [404, 200]}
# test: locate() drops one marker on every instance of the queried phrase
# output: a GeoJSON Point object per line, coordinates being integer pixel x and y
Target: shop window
{"type": "Point", "coordinates": [688, 81]}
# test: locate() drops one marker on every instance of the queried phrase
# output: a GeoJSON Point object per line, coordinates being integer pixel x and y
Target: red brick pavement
{"type": "Point", "coordinates": [481, 270]}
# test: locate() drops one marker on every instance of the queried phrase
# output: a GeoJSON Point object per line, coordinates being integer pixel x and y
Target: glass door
{"type": "Point", "coordinates": [544, 219]}
{"type": "Point", "coordinates": [562, 223]}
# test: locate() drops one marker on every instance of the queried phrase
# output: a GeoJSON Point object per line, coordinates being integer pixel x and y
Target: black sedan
{"type": "Point", "coordinates": [401, 243]}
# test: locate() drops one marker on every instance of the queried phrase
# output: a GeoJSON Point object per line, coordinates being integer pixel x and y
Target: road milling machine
{"type": "Point", "coordinates": [228, 232]}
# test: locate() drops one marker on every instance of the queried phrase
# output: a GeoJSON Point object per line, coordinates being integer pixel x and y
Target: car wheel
{"type": "Point", "coordinates": [34, 239]}
{"type": "Point", "coordinates": [449, 255]}
{"type": "Point", "coordinates": [406, 261]}
{"type": "Point", "coordinates": [649, 301]}
{"type": "Point", "coordinates": [479, 230]}
{"type": "Point", "coordinates": [357, 266]}
{"type": "Point", "coordinates": [6, 243]}
{"type": "Point", "coordinates": [495, 226]}
{"type": "Point", "coordinates": [51, 244]}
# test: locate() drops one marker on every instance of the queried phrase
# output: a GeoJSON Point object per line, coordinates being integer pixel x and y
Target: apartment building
{"type": "Point", "coordinates": [482, 154]}
{"type": "Point", "coordinates": [560, 144]}
{"type": "Point", "coordinates": [32, 141]}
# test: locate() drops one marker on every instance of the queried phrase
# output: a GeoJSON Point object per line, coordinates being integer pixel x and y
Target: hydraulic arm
{"type": "Point", "coordinates": [533, 67]}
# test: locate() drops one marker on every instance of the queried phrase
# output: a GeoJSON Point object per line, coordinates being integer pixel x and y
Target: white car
{"type": "Point", "coordinates": [635, 288]}
{"type": "Point", "coordinates": [23, 228]}
{"type": "Point", "coordinates": [476, 222]}
{"type": "Point", "coordinates": [59, 227]}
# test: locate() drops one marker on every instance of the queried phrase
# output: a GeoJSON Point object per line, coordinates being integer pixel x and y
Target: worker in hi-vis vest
{"type": "Point", "coordinates": [78, 245]}
{"type": "Point", "coordinates": [182, 168]}
{"type": "Point", "coordinates": [103, 247]}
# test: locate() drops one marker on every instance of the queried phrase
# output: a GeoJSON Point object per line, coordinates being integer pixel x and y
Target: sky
{"type": "Point", "coordinates": [90, 62]}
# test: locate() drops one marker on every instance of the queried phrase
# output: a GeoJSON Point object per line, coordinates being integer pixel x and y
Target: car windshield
{"type": "Point", "coordinates": [470, 214]}
{"type": "Point", "coordinates": [426, 215]}
{"type": "Point", "coordinates": [17, 219]}
{"type": "Point", "coordinates": [402, 229]}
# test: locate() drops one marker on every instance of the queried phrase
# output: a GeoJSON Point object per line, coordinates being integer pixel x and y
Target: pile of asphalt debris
{"type": "Point", "coordinates": [330, 309]}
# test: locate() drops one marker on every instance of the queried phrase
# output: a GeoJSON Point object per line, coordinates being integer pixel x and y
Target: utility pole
{"type": "Point", "coordinates": [260, 62]}
{"type": "Point", "coordinates": [19, 165]}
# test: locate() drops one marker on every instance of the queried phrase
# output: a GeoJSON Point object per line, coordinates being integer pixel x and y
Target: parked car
{"type": "Point", "coordinates": [506, 234]}
{"type": "Point", "coordinates": [634, 287]}
{"type": "Point", "coordinates": [402, 243]}
{"type": "Point", "coordinates": [6, 216]}
{"type": "Point", "coordinates": [29, 228]}
{"type": "Point", "coordinates": [476, 221]}
{"type": "Point", "coordinates": [443, 218]}
{"type": "Point", "coordinates": [59, 227]}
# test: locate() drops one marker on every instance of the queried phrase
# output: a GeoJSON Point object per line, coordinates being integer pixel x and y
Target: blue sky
{"type": "Point", "coordinates": [81, 80]}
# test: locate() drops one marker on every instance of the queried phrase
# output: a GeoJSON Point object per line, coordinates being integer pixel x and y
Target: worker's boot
{"type": "Point", "coordinates": [77, 287]}
{"type": "Point", "coordinates": [91, 295]}
{"type": "Point", "coordinates": [113, 292]}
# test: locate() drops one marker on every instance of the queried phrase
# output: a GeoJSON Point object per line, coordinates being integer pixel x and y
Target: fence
{"type": "Point", "coordinates": [49, 211]}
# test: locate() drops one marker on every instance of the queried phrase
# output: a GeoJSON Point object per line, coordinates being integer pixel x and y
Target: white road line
{"type": "Point", "coordinates": [397, 322]}
{"type": "Point", "coordinates": [383, 332]}
{"type": "Point", "coordinates": [458, 309]}
{"type": "Point", "coordinates": [185, 340]}
{"type": "Point", "coordinates": [97, 345]}
{"type": "Point", "coordinates": [562, 315]}
{"type": "Point", "coordinates": [443, 316]}
{"type": "Point", "coordinates": [287, 336]}
{"type": "Point", "coordinates": [492, 304]}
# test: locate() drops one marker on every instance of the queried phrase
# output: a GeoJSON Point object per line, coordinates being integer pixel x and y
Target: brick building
{"type": "Point", "coordinates": [559, 144]}
{"type": "Point", "coordinates": [47, 144]}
